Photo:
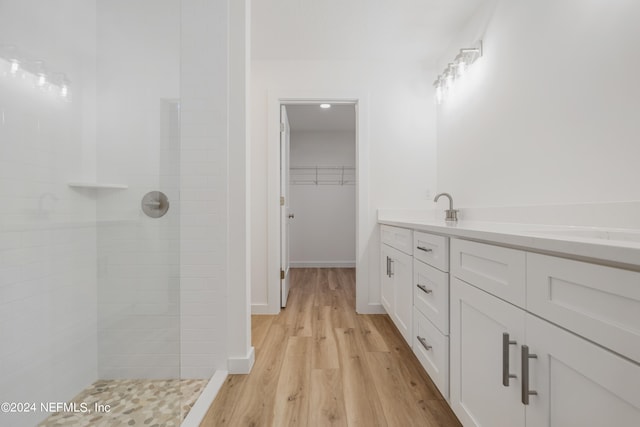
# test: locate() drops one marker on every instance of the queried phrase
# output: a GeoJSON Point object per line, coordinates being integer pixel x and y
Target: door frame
{"type": "Point", "coordinates": [365, 216]}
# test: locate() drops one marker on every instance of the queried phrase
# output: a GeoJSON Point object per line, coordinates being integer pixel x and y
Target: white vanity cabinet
{"type": "Point", "coordinates": [518, 331]}
{"type": "Point", "coordinates": [397, 276]}
{"type": "Point", "coordinates": [509, 367]}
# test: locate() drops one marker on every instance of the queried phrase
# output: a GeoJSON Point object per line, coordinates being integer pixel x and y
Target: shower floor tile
{"type": "Point", "coordinates": [152, 403]}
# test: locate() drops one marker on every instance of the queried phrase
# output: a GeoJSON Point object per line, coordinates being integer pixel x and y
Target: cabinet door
{"type": "Point", "coordinates": [578, 383]}
{"type": "Point", "coordinates": [478, 322]}
{"type": "Point", "coordinates": [386, 280]}
{"type": "Point", "coordinates": [402, 274]}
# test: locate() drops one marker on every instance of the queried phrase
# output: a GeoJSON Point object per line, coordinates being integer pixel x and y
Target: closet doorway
{"type": "Point", "coordinates": [366, 254]}
{"type": "Point", "coordinates": [318, 188]}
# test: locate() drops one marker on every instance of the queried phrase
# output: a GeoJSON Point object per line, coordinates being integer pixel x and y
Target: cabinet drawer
{"type": "Point", "coordinates": [431, 348]}
{"type": "Point", "coordinates": [499, 271]}
{"type": "Point", "coordinates": [399, 238]}
{"type": "Point", "coordinates": [432, 249]}
{"type": "Point", "coordinates": [600, 303]}
{"type": "Point", "coordinates": [431, 294]}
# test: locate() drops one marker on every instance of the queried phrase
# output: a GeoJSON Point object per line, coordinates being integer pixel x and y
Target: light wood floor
{"type": "Point", "coordinates": [318, 363]}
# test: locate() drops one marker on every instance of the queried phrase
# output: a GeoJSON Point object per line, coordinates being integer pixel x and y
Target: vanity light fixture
{"type": "Point", "coordinates": [34, 71]}
{"type": "Point", "coordinates": [325, 106]}
{"type": "Point", "coordinates": [456, 70]}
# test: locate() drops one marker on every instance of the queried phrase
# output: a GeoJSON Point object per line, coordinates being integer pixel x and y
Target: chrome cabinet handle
{"type": "Point", "coordinates": [506, 342]}
{"type": "Point", "coordinates": [525, 374]}
{"type": "Point", "coordinates": [422, 248]}
{"type": "Point", "coordinates": [424, 343]}
{"type": "Point", "coordinates": [391, 272]}
{"type": "Point", "coordinates": [388, 275]}
{"type": "Point", "coordinates": [424, 289]}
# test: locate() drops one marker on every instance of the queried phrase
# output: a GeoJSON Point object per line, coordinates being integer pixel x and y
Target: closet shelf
{"type": "Point", "coordinates": [322, 175]}
{"type": "Point", "coordinates": [97, 186]}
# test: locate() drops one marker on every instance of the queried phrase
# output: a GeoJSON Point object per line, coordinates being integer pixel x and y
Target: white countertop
{"type": "Point", "coordinates": [620, 247]}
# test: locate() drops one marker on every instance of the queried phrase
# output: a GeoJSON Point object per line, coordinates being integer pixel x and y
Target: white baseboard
{"type": "Point", "coordinates": [373, 309]}
{"type": "Point", "coordinates": [242, 365]}
{"type": "Point", "coordinates": [200, 408]}
{"type": "Point", "coordinates": [322, 264]}
{"type": "Point", "coordinates": [263, 309]}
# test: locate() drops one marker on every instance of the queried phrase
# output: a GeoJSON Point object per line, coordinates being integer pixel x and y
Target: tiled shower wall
{"type": "Point", "coordinates": [67, 286]}
{"type": "Point", "coordinates": [162, 282]}
{"type": "Point", "coordinates": [48, 347]}
{"type": "Point", "coordinates": [139, 146]}
{"type": "Point", "coordinates": [204, 187]}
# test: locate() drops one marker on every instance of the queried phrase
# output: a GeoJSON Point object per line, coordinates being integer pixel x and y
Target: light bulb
{"type": "Point", "coordinates": [61, 81]}
{"type": "Point", "coordinates": [325, 106]}
{"type": "Point", "coordinates": [15, 66]}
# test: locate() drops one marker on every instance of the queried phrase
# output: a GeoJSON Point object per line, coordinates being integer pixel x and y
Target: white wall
{"type": "Point", "coordinates": [47, 230]}
{"type": "Point", "coordinates": [215, 319]}
{"type": "Point", "coordinates": [203, 187]}
{"type": "Point", "coordinates": [323, 232]}
{"type": "Point", "coordinates": [240, 352]}
{"type": "Point", "coordinates": [401, 142]}
{"type": "Point", "coordinates": [549, 115]}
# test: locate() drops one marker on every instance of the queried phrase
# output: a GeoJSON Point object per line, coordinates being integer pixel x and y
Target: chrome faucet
{"type": "Point", "coordinates": [452, 214]}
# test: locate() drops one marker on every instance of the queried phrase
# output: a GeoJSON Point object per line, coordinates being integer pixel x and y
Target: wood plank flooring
{"type": "Point", "coordinates": [318, 363]}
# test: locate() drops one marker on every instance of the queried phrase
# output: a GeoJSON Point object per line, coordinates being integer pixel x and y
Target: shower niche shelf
{"type": "Point", "coordinates": [97, 185]}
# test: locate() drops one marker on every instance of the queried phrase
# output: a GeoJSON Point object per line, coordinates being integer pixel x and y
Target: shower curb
{"type": "Point", "coordinates": [200, 408]}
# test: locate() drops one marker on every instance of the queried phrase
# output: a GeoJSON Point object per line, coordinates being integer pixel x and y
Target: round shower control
{"type": "Point", "coordinates": [155, 204]}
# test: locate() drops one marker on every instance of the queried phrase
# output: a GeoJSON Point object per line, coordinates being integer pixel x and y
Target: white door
{"type": "Point", "coordinates": [285, 214]}
{"type": "Point", "coordinates": [480, 358]}
{"type": "Point", "coordinates": [578, 383]}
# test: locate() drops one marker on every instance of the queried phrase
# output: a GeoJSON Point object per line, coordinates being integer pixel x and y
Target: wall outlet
{"type": "Point", "coordinates": [428, 194]}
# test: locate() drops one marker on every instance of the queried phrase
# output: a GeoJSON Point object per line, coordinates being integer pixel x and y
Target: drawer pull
{"type": "Point", "coordinates": [424, 343]}
{"type": "Point", "coordinates": [422, 248]}
{"type": "Point", "coordinates": [424, 289]}
{"type": "Point", "coordinates": [525, 374]}
{"type": "Point", "coordinates": [506, 342]}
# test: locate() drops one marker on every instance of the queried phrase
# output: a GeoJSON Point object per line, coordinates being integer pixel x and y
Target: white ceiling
{"type": "Point", "coordinates": [356, 29]}
{"type": "Point", "coordinates": [313, 118]}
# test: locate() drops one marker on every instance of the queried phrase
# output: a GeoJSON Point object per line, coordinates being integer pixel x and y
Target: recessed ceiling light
{"type": "Point", "coordinates": [325, 106]}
